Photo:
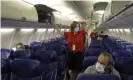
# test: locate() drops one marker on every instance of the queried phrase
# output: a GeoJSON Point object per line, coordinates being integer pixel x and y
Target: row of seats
{"type": "Point", "coordinates": [52, 59]}
{"type": "Point", "coordinates": [95, 49]}
{"type": "Point", "coordinates": [122, 63]}
{"type": "Point", "coordinates": [90, 58]}
{"type": "Point", "coordinates": [121, 52]}
{"type": "Point", "coordinates": [118, 46]}
{"type": "Point", "coordinates": [85, 76]}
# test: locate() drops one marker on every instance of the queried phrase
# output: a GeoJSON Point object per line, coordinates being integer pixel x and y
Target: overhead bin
{"type": "Point", "coordinates": [100, 6]}
{"type": "Point", "coordinates": [18, 10]}
{"type": "Point", "coordinates": [123, 19]}
{"type": "Point", "coordinates": [44, 13]}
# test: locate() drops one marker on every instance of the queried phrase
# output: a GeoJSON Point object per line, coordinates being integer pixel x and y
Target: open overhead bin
{"type": "Point", "coordinates": [123, 19]}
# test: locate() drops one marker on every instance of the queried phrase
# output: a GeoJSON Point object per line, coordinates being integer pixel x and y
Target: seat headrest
{"type": "Point", "coordinates": [93, 52]}
{"type": "Point", "coordinates": [85, 76]}
{"type": "Point", "coordinates": [27, 46]}
{"type": "Point", "coordinates": [131, 78]}
{"type": "Point", "coordinates": [121, 53]}
{"type": "Point", "coordinates": [35, 43]}
{"type": "Point", "coordinates": [130, 48]}
{"type": "Point", "coordinates": [22, 54]}
{"type": "Point", "coordinates": [56, 47]}
{"type": "Point", "coordinates": [6, 53]}
{"type": "Point", "coordinates": [46, 56]}
{"type": "Point", "coordinates": [26, 68]}
{"type": "Point", "coordinates": [124, 65]}
{"type": "Point", "coordinates": [5, 65]}
{"type": "Point", "coordinates": [88, 61]}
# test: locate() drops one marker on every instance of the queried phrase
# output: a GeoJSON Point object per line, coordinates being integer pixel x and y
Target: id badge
{"type": "Point", "coordinates": [73, 47]}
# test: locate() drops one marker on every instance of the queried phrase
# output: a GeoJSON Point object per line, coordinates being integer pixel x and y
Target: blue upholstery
{"type": "Point", "coordinates": [97, 77]}
{"type": "Point", "coordinates": [92, 52]}
{"type": "Point", "coordinates": [22, 54]}
{"type": "Point", "coordinates": [35, 45]}
{"type": "Point", "coordinates": [56, 47]}
{"type": "Point", "coordinates": [121, 53]}
{"type": "Point", "coordinates": [6, 53]}
{"type": "Point", "coordinates": [46, 56]}
{"type": "Point", "coordinates": [95, 45]}
{"type": "Point", "coordinates": [27, 46]}
{"type": "Point", "coordinates": [88, 61]}
{"type": "Point", "coordinates": [125, 44]}
{"type": "Point", "coordinates": [130, 78]}
{"type": "Point", "coordinates": [5, 71]}
{"type": "Point", "coordinates": [130, 48]}
{"type": "Point", "coordinates": [48, 59]}
{"type": "Point", "coordinates": [26, 69]}
{"type": "Point", "coordinates": [124, 65]}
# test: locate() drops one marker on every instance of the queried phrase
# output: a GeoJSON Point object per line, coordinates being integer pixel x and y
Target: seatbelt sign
{"type": "Point", "coordinates": [73, 47]}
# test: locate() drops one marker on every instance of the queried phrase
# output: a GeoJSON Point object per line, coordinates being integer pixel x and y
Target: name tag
{"type": "Point", "coordinates": [73, 47]}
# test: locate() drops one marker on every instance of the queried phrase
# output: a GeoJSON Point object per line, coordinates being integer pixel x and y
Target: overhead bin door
{"type": "Point", "coordinates": [18, 10]}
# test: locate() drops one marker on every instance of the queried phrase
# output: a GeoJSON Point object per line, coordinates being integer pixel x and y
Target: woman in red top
{"type": "Point", "coordinates": [75, 41]}
{"type": "Point", "coordinates": [93, 34]}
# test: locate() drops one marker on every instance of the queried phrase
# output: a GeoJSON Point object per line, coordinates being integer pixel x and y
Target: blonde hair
{"type": "Point", "coordinates": [22, 45]}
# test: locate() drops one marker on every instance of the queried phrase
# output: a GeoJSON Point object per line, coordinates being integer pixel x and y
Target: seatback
{"type": "Point", "coordinates": [56, 47]}
{"type": "Point", "coordinates": [130, 78]}
{"type": "Point", "coordinates": [48, 59]}
{"type": "Point", "coordinates": [92, 52]}
{"type": "Point", "coordinates": [35, 46]}
{"type": "Point", "coordinates": [5, 71]}
{"type": "Point", "coordinates": [125, 67]}
{"type": "Point", "coordinates": [121, 53]}
{"type": "Point", "coordinates": [95, 45]}
{"type": "Point", "coordinates": [126, 43]}
{"type": "Point", "coordinates": [22, 54]}
{"type": "Point", "coordinates": [130, 48]}
{"type": "Point", "coordinates": [88, 61]}
{"type": "Point", "coordinates": [27, 46]}
{"type": "Point", "coordinates": [85, 76]}
{"type": "Point", "coordinates": [6, 53]}
{"type": "Point", "coordinates": [26, 69]}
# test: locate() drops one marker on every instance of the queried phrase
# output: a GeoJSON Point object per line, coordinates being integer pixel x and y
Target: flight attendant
{"type": "Point", "coordinates": [75, 41]}
{"type": "Point", "coordinates": [93, 34]}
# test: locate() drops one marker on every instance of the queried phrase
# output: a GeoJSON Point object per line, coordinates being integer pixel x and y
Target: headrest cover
{"type": "Point", "coordinates": [26, 68]}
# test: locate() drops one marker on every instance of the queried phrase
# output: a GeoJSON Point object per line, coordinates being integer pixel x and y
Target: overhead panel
{"type": "Point", "coordinates": [123, 19]}
{"type": "Point", "coordinates": [18, 10]}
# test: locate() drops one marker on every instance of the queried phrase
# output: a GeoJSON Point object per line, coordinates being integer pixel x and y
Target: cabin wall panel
{"type": "Point", "coordinates": [125, 34]}
{"type": "Point", "coordinates": [9, 39]}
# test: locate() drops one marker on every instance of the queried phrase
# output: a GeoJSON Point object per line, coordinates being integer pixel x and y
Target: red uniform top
{"type": "Point", "coordinates": [75, 42]}
{"type": "Point", "coordinates": [93, 34]}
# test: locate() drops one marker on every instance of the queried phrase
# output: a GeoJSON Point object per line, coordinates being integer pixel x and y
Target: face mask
{"type": "Point", "coordinates": [100, 68]}
{"type": "Point", "coordinates": [76, 29]}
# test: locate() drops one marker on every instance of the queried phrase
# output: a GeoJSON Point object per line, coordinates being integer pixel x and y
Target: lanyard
{"type": "Point", "coordinates": [74, 44]}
